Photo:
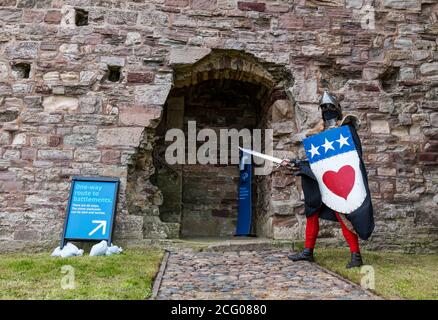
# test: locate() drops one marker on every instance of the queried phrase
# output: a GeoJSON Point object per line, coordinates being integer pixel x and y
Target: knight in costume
{"type": "Point", "coordinates": [357, 220]}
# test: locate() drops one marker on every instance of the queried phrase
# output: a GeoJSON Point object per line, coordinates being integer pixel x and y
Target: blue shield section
{"type": "Point", "coordinates": [328, 143]}
{"type": "Point", "coordinates": [245, 197]}
{"type": "Point", "coordinates": [91, 210]}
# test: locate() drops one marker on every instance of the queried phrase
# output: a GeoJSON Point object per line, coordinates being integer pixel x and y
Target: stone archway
{"type": "Point", "coordinates": [171, 198]}
{"type": "Point", "coordinates": [203, 197]}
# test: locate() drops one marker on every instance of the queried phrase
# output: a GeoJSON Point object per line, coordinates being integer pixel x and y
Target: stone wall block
{"type": "Point", "coordinates": [85, 155]}
{"type": "Point", "coordinates": [204, 4]}
{"type": "Point", "coordinates": [79, 139]}
{"type": "Point", "coordinates": [113, 61]}
{"type": "Point", "coordinates": [5, 138]}
{"type": "Point", "coordinates": [251, 6]}
{"type": "Point", "coordinates": [281, 110]}
{"type": "Point", "coordinates": [4, 71]}
{"type": "Point", "coordinates": [123, 136]}
{"type": "Point", "coordinates": [140, 77]}
{"type": "Point", "coordinates": [90, 104]}
{"type": "Point", "coordinates": [119, 17]}
{"type": "Point", "coordinates": [402, 4]}
{"type": "Point", "coordinates": [53, 154]}
{"type": "Point", "coordinates": [110, 156]}
{"type": "Point", "coordinates": [140, 116]}
{"type": "Point", "coordinates": [291, 21]}
{"type": "Point", "coordinates": [10, 15]}
{"type": "Point", "coordinates": [380, 127]}
{"type": "Point", "coordinates": [53, 17]}
{"type": "Point", "coordinates": [22, 50]}
{"type": "Point", "coordinates": [56, 104]}
{"type": "Point", "coordinates": [188, 55]}
{"type": "Point", "coordinates": [429, 69]}
{"type": "Point", "coordinates": [151, 94]}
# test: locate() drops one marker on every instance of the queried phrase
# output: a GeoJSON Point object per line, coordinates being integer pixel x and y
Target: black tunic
{"type": "Point", "coordinates": [362, 218]}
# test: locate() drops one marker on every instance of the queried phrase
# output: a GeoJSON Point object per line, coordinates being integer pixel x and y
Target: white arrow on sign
{"type": "Point", "coordinates": [102, 224]}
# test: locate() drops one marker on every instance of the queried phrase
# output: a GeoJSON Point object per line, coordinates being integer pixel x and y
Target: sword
{"type": "Point", "coordinates": [291, 163]}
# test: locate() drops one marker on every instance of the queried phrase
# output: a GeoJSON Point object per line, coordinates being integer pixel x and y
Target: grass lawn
{"type": "Point", "coordinates": [38, 276]}
{"type": "Point", "coordinates": [397, 275]}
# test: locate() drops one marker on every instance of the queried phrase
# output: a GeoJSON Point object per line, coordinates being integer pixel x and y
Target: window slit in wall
{"type": "Point", "coordinates": [81, 17]}
{"type": "Point", "coordinates": [114, 73]}
{"type": "Point", "coordinates": [21, 70]}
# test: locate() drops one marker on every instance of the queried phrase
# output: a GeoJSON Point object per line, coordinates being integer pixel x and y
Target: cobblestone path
{"type": "Point", "coordinates": [250, 275]}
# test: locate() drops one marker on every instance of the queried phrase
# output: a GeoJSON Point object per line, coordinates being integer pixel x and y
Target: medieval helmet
{"type": "Point", "coordinates": [328, 103]}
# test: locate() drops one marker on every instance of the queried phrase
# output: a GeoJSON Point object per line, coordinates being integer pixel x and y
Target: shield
{"type": "Point", "coordinates": [335, 163]}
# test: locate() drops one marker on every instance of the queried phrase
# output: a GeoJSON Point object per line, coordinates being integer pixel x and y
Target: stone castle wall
{"type": "Point", "coordinates": [83, 84]}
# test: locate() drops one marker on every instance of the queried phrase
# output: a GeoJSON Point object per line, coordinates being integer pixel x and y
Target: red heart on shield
{"type": "Point", "coordinates": [340, 183]}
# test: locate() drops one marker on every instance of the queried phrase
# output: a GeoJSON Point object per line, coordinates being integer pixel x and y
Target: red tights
{"type": "Point", "coordinates": [312, 229]}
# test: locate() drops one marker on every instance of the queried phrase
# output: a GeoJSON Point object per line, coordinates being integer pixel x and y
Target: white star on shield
{"type": "Point", "coordinates": [328, 145]}
{"type": "Point", "coordinates": [314, 150]}
{"type": "Point", "coordinates": [342, 141]}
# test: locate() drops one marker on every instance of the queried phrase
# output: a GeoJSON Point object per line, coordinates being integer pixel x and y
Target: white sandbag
{"type": "Point", "coordinates": [70, 250]}
{"type": "Point", "coordinates": [56, 252]}
{"type": "Point", "coordinates": [99, 249]}
{"type": "Point", "coordinates": [113, 250]}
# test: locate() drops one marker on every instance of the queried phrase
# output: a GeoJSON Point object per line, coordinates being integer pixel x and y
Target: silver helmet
{"type": "Point", "coordinates": [329, 103]}
{"type": "Point", "coordinates": [327, 98]}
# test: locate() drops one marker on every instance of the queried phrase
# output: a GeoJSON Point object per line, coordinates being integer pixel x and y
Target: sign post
{"type": "Point", "coordinates": [245, 198]}
{"type": "Point", "coordinates": [91, 209]}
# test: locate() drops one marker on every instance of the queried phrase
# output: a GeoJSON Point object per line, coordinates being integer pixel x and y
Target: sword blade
{"type": "Point", "coordinates": [262, 155]}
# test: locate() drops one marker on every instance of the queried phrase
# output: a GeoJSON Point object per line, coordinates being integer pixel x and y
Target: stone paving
{"type": "Point", "coordinates": [245, 275]}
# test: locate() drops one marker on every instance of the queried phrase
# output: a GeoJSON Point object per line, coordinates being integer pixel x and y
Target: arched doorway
{"type": "Point", "coordinates": [203, 197]}
{"type": "Point", "coordinates": [224, 90]}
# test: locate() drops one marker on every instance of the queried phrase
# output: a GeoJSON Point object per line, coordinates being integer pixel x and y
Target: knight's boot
{"type": "Point", "coordinates": [305, 255]}
{"type": "Point", "coordinates": [356, 260]}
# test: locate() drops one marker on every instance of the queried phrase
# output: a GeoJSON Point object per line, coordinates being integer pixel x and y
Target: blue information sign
{"type": "Point", "coordinates": [91, 209]}
{"type": "Point", "coordinates": [245, 200]}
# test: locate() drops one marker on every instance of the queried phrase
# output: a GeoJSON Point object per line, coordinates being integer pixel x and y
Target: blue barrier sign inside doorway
{"type": "Point", "coordinates": [244, 215]}
{"type": "Point", "coordinates": [91, 209]}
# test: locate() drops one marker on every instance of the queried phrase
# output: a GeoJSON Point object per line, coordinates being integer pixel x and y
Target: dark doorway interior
{"type": "Point", "coordinates": [203, 198]}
